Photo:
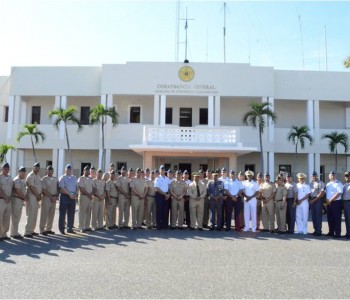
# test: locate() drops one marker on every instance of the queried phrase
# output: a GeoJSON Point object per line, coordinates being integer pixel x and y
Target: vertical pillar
{"type": "Point", "coordinates": [55, 162]}
{"type": "Point", "coordinates": [232, 161]}
{"type": "Point", "coordinates": [61, 161]}
{"type": "Point", "coordinates": [162, 110]}
{"type": "Point", "coordinates": [311, 163]}
{"type": "Point", "coordinates": [10, 117]}
{"type": "Point", "coordinates": [264, 167]}
{"type": "Point", "coordinates": [148, 160]}
{"type": "Point", "coordinates": [156, 110]}
{"type": "Point", "coordinates": [271, 124]}
{"type": "Point", "coordinates": [271, 167]}
{"type": "Point", "coordinates": [317, 166]}
{"type": "Point", "coordinates": [316, 121]}
{"type": "Point", "coordinates": [217, 111]}
{"type": "Point", "coordinates": [211, 111]}
{"type": "Point", "coordinates": [108, 158]}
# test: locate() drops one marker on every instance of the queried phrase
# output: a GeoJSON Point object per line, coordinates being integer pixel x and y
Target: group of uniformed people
{"type": "Point", "coordinates": [160, 200]}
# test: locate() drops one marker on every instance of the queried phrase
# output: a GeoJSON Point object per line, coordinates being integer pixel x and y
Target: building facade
{"type": "Point", "coordinates": [186, 116]}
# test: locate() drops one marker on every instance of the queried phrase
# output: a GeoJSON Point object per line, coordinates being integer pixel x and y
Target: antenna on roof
{"type": "Point", "coordinates": [186, 40]}
{"type": "Point", "coordinates": [325, 45]}
{"type": "Point", "coordinates": [177, 27]}
{"type": "Point", "coordinates": [224, 30]}
{"type": "Point", "coordinates": [302, 43]}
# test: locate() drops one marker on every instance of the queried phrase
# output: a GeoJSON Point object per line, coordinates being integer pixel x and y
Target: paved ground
{"type": "Point", "coordinates": [175, 264]}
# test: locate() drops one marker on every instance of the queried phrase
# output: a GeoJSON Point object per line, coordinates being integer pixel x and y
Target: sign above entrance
{"type": "Point", "coordinates": [186, 73]}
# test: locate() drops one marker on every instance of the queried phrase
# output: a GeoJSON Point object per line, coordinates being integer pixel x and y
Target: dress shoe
{"type": "Point", "coordinates": [218, 229]}
{"type": "Point", "coordinates": [212, 228]}
{"type": "Point", "coordinates": [88, 229]}
{"type": "Point", "coordinates": [127, 227]}
{"type": "Point", "coordinates": [28, 235]}
{"type": "Point", "coordinates": [140, 227]}
{"type": "Point", "coordinates": [6, 238]}
{"type": "Point", "coordinates": [71, 231]}
{"type": "Point", "coordinates": [200, 228]}
{"type": "Point", "coordinates": [62, 232]}
{"type": "Point", "coordinates": [272, 231]}
{"type": "Point", "coordinates": [43, 233]}
{"type": "Point", "coordinates": [181, 228]}
{"type": "Point", "coordinates": [227, 229]}
{"type": "Point", "coordinates": [134, 228]}
{"type": "Point", "coordinates": [111, 227]}
{"type": "Point", "coordinates": [191, 228]}
{"type": "Point", "coordinates": [318, 234]}
{"type": "Point", "coordinates": [17, 237]}
{"type": "Point", "coordinates": [115, 226]}
{"type": "Point", "coordinates": [172, 228]}
{"type": "Point", "coordinates": [336, 236]}
{"type": "Point", "coordinates": [50, 232]}
{"type": "Point", "coordinates": [149, 227]}
{"type": "Point", "coordinates": [329, 234]}
{"type": "Point", "coordinates": [35, 233]}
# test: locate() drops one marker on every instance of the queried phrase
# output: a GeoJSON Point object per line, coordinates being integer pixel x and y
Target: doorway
{"type": "Point", "coordinates": [185, 117]}
{"type": "Point", "coordinates": [184, 167]}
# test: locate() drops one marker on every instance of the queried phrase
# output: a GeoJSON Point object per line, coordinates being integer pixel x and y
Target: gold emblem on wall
{"type": "Point", "coordinates": [186, 73]}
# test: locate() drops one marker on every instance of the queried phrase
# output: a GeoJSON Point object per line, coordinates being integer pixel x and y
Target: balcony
{"type": "Point", "coordinates": [203, 139]}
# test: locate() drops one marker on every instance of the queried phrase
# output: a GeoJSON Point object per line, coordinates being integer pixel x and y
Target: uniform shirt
{"type": "Point", "coordinates": [69, 183]}
{"type": "Point", "coordinates": [281, 192]}
{"type": "Point", "coordinates": [332, 188]}
{"type": "Point", "coordinates": [162, 183]}
{"type": "Point", "coordinates": [33, 180]}
{"type": "Point", "coordinates": [192, 189]}
{"type": "Point", "coordinates": [20, 184]}
{"type": "Point", "coordinates": [303, 190]}
{"type": "Point", "coordinates": [139, 184]}
{"type": "Point", "coordinates": [225, 180]}
{"type": "Point", "coordinates": [86, 184]}
{"type": "Point", "coordinates": [346, 191]}
{"type": "Point", "coordinates": [50, 184]}
{"type": "Point", "coordinates": [316, 187]}
{"type": "Point", "coordinates": [234, 186]}
{"type": "Point", "coordinates": [216, 188]}
{"type": "Point", "coordinates": [111, 188]}
{"type": "Point", "coordinates": [267, 189]}
{"type": "Point", "coordinates": [99, 186]}
{"type": "Point", "coordinates": [6, 184]}
{"type": "Point", "coordinates": [178, 187]}
{"type": "Point", "coordinates": [123, 183]}
{"type": "Point", "coordinates": [250, 188]}
{"type": "Point", "coordinates": [291, 189]}
{"type": "Point", "coordinates": [151, 190]}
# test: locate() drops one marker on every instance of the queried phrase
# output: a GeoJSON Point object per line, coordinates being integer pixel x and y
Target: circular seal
{"type": "Point", "coordinates": [186, 73]}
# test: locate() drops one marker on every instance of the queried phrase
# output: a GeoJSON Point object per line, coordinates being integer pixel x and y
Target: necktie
{"type": "Point", "coordinates": [198, 192]}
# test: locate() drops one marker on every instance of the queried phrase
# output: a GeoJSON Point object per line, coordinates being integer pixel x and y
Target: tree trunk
{"type": "Point", "coordinates": [68, 145]}
{"type": "Point", "coordinates": [295, 159]}
{"type": "Point", "coordinates": [336, 161]}
{"type": "Point", "coordinates": [103, 145]}
{"type": "Point", "coordinates": [31, 139]}
{"type": "Point", "coordinates": [262, 151]}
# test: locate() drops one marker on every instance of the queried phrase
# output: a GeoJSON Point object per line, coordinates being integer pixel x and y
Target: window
{"type": "Point", "coordinates": [36, 111]}
{"type": "Point", "coordinates": [84, 115]}
{"type": "Point", "coordinates": [186, 117]}
{"type": "Point", "coordinates": [249, 167]}
{"type": "Point", "coordinates": [284, 169]}
{"type": "Point", "coordinates": [203, 167]}
{"type": "Point", "coordinates": [203, 116]}
{"type": "Point", "coordinates": [167, 167]}
{"type": "Point", "coordinates": [6, 114]}
{"type": "Point", "coordinates": [82, 166]}
{"type": "Point", "coordinates": [169, 115]}
{"type": "Point", "coordinates": [135, 114]}
{"type": "Point", "coordinates": [48, 163]}
{"type": "Point", "coordinates": [121, 164]}
{"type": "Point", "coordinates": [322, 173]}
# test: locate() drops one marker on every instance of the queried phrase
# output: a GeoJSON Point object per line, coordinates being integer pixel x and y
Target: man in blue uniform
{"type": "Point", "coordinates": [216, 194]}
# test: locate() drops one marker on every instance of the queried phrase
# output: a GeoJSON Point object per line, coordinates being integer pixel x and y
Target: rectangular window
{"type": "Point", "coordinates": [135, 114]}
{"type": "Point", "coordinates": [249, 167]}
{"type": "Point", "coordinates": [84, 115]}
{"type": "Point", "coordinates": [6, 114]}
{"type": "Point", "coordinates": [36, 112]}
{"type": "Point", "coordinates": [82, 166]}
{"type": "Point", "coordinates": [186, 117]}
{"type": "Point", "coordinates": [169, 115]}
{"type": "Point", "coordinates": [285, 169]}
{"type": "Point", "coordinates": [203, 116]}
{"type": "Point", "coordinates": [121, 164]}
{"type": "Point", "coordinates": [48, 163]}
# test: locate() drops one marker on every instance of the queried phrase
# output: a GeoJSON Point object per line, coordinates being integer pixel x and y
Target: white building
{"type": "Point", "coordinates": [185, 116]}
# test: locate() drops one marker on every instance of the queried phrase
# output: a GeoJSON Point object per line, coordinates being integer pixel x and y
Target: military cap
{"type": "Point", "coordinates": [215, 174]}
{"type": "Point", "coordinates": [217, 171]}
{"type": "Point", "coordinates": [178, 172]}
{"type": "Point", "coordinates": [347, 174]}
{"type": "Point", "coordinates": [111, 164]}
{"type": "Point", "coordinates": [36, 165]}
{"type": "Point", "coordinates": [195, 174]}
{"type": "Point", "coordinates": [156, 171]}
{"type": "Point", "coordinates": [152, 172]}
{"type": "Point", "coordinates": [68, 166]}
{"type": "Point", "coordinates": [169, 171]}
{"type": "Point", "coordinates": [49, 167]}
{"type": "Point", "coordinates": [98, 170]}
{"type": "Point", "coordinates": [301, 175]}
{"type": "Point", "coordinates": [185, 172]}
{"type": "Point", "coordinates": [232, 172]}
{"type": "Point", "coordinates": [288, 175]}
{"type": "Point", "coordinates": [142, 171]}
{"type": "Point", "coordinates": [240, 173]}
{"type": "Point", "coordinates": [209, 171]}
{"type": "Point", "coordinates": [138, 170]}
{"type": "Point", "coordinates": [249, 173]}
{"type": "Point", "coordinates": [314, 173]}
{"type": "Point", "coordinates": [112, 172]}
{"type": "Point", "coordinates": [87, 167]}
{"type": "Point", "coordinates": [259, 175]}
{"type": "Point", "coordinates": [22, 169]}
{"type": "Point", "coordinates": [122, 168]}
{"type": "Point", "coordinates": [223, 169]}
{"type": "Point", "coordinates": [131, 170]}
{"type": "Point", "coordinates": [92, 168]}
{"type": "Point", "coordinates": [5, 165]}
{"type": "Point", "coordinates": [332, 172]}
{"type": "Point", "coordinates": [147, 170]}
{"type": "Point", "coordinates": [267, 174]}
{"type": "Point", "coordinates": [279, 177]}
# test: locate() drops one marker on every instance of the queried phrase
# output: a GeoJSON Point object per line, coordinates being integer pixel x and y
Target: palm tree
{"type": "Point", "coordinates": [98, 115]}
{"type": "Point", "coordinates": [347, 62]}
{"type": "Point", "coordinates": [299, 135]}
{"type": "Point", "coordinates": [34, 133]}
{"type": "Point", "coordinates": [257, 117]}
{"type": "Point", "coordinates": [3, 151]}
{"type": "Point", "coordinates": [336, 138]}
{"type": "Point", "coordinates": [65, 116]}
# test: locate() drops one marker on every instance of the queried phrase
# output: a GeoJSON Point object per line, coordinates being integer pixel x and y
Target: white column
{"type": "Point", "coordinates": [108, 133]}
{"type": "Point", "coordinates": [311, 163]}
{"type": "Point", "coordinates": [265, 154]}
{"type": "Point", "coordinates": [61, 161]}
{"type": "Point", "coordinates": [162, 110]}
{"type": "Point", "coordinates": [271, 124]}
{"type": "Point", "coordinates": [211, 111]}
{"type": "Point", "coordinates": [316, 121]}
{"type": "Point", "coordinates": [108, 158]}
{"type": "Point", "coordinates": [10, 117]}
{"type": "Point", "coordinates": [55, 162]}
{"type": "Point", "coordinates": [217, 111]}
{"type": "Point", "coordinates": [104, 100]}
{"type": "Point", "coordinates": [271, 167]}
{"type": "Point", "coordinates": [310, 114]}
{"type": "Point", "coordinates": [317, 162]}
{"type": "Point", "coordinates": [156, 110]}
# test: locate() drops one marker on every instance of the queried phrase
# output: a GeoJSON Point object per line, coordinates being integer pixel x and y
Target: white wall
{"type": "Point", "coordinates": [290, 113]}
{"type": "Point", "coordinates": [332, 114]}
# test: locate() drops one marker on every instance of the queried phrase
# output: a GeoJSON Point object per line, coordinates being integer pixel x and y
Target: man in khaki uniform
{"type": "Point", "coordinates": [197, 192]}
{"type": "Point", "coordinates": [111, 201]}
{"type": "Point", "coordinates": [6, 186]}
{"type": "Point", "coordinates": [259, 180]}
{"type": "Point", "coordinates": [122, 184]}
{"type": "Point", "coordinates": [34, 194]}
{"type": "Point", "coordinates": [281, 204]}
{"type": "Point", "coordinates": [48, 204]}
{"type": "Point", "coordinates": [268, 191]}
{"type": "Point", "coordinates": [206, 199]}
{"type": "Point", "coordinates": [107, 175]}
{"type": "Point", "coordinates": [19, 197]}
{"type": "Point", "coordinates": [138, 186]}
{"type": "Point", "coordinates": [151, 202]}
{"type": "Point", "coordinates": [98, 199]}
{"type": "Point", "coordinates": [93, 173]}
{"type": "Point", "coordinates": [85, 186]}
{"type": "Point", "coordinates": [178, 189]}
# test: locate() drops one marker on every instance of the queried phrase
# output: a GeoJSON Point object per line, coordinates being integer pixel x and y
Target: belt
{"type": "Point", "coordinates": [113, 197]}
{"type": "Point", "coordinates": [279, 200]}
{"type": "Point", "coordinates": [151, 196]}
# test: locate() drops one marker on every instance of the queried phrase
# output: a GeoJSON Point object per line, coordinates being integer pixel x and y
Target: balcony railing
{"type": "Point", "coordinates": [190, 136]}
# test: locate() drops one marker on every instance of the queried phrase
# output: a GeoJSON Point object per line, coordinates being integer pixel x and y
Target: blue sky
{"type": "Point", "coordinates": [95, 32]}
